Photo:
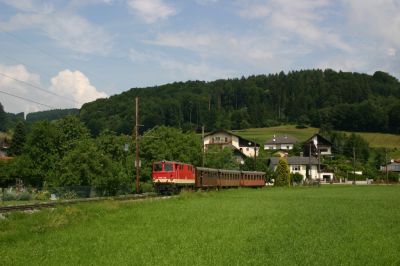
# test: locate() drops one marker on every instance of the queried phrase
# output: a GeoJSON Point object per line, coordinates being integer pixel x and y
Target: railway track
{"type": "Point", "coordinates": [26, 207]}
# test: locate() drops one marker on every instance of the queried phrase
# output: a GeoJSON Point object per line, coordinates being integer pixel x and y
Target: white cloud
{"type": "Point", "coordinates": [77, 85]}
{"type": "Point", "coordinates": [152, 11]}
{"type": "Point", "coordinates": [68, 29]}
{"type": "Point", "coordinates": [73, 89]}
{"type": "Point", "coordinates": [301, 19]}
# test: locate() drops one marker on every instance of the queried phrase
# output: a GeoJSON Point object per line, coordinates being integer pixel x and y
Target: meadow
{"type": "Point", "coordinates": [261, 135]}
{"type": "Point", "coordinates": [332, 225]}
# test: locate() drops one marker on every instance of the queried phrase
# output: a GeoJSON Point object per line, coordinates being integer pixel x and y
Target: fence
{"type": "Point", "coordinates": [32, 194]}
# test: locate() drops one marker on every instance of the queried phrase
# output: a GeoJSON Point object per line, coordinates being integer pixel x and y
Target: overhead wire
{"type": "Point", "coordinates": [38, 88]}
{"type": "Point", "coordinates": [28, 100]}
{"type": "Point", "coordinates": [63, 62]}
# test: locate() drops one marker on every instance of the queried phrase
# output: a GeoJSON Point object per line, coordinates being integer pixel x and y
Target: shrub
{"type": "Point", "coordinates": [42, 195]}
{"type": "Point", "coordinates": [146, 187]}
{"type": "Point", "coordinates": [297, 178]}
{"type": "Point", "coordinates": [7, 196]}
{"type": "Point", "coordinates": [24, 196]}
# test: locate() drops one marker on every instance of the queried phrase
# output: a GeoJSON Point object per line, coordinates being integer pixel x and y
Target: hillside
{"type": "Point", "coordinates": [340, 100]}
{"type": "Point", "coordinates": [375, 140]}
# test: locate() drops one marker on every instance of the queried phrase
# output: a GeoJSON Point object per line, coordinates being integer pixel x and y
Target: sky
{"type": "Point", "coordinates": [61, 54]}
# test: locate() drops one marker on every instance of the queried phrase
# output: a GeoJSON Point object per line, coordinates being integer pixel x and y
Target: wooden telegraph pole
{"type": "Point", "coordinates": [137, 160]}
{"type": "Point", "coordinates": [354, 165]}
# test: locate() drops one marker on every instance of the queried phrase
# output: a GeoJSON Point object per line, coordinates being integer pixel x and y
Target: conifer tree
{"type": "Point", "coordinates": [18, 140]}
{"type": "Point", "coordinates": [282, 173]}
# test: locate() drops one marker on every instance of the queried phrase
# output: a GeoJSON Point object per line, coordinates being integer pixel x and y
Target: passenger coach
{"type": "Point", "coordinates": [171, 176]}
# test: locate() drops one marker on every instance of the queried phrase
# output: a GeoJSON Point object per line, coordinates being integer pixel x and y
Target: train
{"type": "Point", "coordinates": [171, 177]}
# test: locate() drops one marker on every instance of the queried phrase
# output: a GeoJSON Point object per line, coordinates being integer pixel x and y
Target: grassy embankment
{"type": "Point", "coordinates": [302, 226]}
{"type": "Point", "coordinates": [376, 140]}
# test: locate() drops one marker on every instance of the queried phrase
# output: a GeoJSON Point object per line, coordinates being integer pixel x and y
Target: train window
{"type": "Point", "coordinates": [157, 167]}
{"type": "Point", "coordinates": [168, 167]}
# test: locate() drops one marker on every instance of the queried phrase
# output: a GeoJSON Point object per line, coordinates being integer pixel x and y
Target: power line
{"type": "Point", "coordinates": [45, 53]}
{"type": "Point", "coordinates": [28, 100]}
{"type": "Point", "coordinates": [38, 88]}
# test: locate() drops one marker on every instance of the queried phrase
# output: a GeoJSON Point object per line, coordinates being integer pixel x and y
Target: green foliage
{"type": "Point", "coordinates": [282, 173]}
{"type": "Point", "coordinates": [9, 196]}
{"type": "Point", "coordinates": [360, 146]}
{"type": "Point", "coordinates": [25, 196]}
{"type": "Point", "coordinates": [346, 101]}
{"type": "Point", "coordinates": [50, 115]}
{"type": "Point", "coordinates": [18, 139]}
{"type": "Point", "coordinates": [296, 177]}
{"type": "Point", "coordinates": [220, 158]}
{"type": "Point", "coordinates": [166, 143]}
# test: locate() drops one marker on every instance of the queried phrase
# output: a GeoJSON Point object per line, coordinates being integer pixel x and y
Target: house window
{"type": "Point", "coordinates": [247, 149]}
{"type": "Point", "coordinates": [296, 168]}
{"type": "Point", "coordinates": [226, 139]}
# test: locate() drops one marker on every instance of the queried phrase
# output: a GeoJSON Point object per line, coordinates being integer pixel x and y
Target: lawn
{"type": "Point", "coordinates": [330, 225]}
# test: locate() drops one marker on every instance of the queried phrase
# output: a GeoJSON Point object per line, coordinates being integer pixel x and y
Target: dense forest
{"type": "Point", "coordinates": [338, 100]}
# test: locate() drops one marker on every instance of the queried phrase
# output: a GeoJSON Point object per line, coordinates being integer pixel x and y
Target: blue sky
{"type": "Point", "coordinates": [65, 53]}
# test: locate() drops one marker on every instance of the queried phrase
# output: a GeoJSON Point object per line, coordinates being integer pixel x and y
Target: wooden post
{"type": "Point", "coordinates": [137, 164]}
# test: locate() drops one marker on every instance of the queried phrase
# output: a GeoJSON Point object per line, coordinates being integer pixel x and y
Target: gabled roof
{"type": "Point", "coordinates": [286, 139]}
{"type": "Point", "coordinates": [295, 160]}
{"type": "Point", "coordinates": [242, 141]}
{"type": "Point", "coordinates": [321, 140]}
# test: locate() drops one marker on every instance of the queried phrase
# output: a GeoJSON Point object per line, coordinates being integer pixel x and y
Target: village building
{"type": "Point", "coordinates": [242, 147]}
{"type": "Point", "coordinates": [304, 165]}
{"type": "Point", "coordinates": [393, 166]}
{"type": "Point", "coordinates": [285, 142]}
{"type": "Point", "coordinates": [317, 145]}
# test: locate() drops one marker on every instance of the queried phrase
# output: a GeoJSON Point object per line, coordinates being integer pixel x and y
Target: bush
{"type": "Point", "coordinates": [146, 187]}
{"type": "Point", "coordinates": [296, 178]}
{"type": "Point", "coordinates": [24, 196]}
{"type": "Point", "coordinates": [42, 195]}
{"type": "Point", "coordinates": [8, 196]}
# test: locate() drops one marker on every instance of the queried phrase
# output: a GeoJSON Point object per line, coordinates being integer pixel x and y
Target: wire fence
{"type": "Point", "coordinates": [20, 195]}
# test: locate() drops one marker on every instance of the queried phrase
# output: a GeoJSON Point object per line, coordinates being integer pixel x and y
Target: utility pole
{"type": "Point", "coordinates": [309, 162]}
{"type": "Point", "coordinates": [354, 165]}
{"type": "Point", "coordinates": [255, 156]}
{"type": "Point", "coordinates": [386, 167]}
{"type": "Point", "coordinates": [202, 140]}
{"type": "Point", "coordinates": [137, 161]}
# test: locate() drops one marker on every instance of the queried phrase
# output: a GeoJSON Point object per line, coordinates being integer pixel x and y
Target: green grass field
{"type": "Point", "coordinates": [261, 135]}
{"type": "Point", "coordinates": [300, 226]}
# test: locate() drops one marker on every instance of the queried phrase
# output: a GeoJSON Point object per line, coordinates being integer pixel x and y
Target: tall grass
{"type": "Point", "coordinates": [298, 226]}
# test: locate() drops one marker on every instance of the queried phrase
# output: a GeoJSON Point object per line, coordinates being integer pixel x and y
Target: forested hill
{"type": "Point", "coordinates": [341, 100]}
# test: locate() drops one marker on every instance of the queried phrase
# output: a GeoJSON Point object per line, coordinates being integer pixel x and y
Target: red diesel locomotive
{"type": "Point", "coordinates": [171, 176]}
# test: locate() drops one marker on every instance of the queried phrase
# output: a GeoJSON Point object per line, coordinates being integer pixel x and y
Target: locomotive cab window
{"type": "Point", "coordinates": [168, 167]}
{"type": "Point", "coordinates": [157, 167]}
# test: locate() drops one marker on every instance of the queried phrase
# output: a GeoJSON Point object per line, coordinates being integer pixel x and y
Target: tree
{"type": "Point", "coordinates": [18, 139]}
{"type": "Point", "coordinates": [220, 158]}
{"type": "Point", "coordinates": [166, 143]}
{"type": "Point", "coordinates": [360, 146]}
{"type": "Point", "coordinates": [86, 165]}
{"type": "Point", "coordinates": [282, 173]}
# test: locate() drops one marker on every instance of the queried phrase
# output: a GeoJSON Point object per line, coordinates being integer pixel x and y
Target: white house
{"type": "Point", "coordinates": [301, 165]}
{"type": "Point", "coordinates": [317, 142]}
{"type": "Point", "coordinates": [285, 142]}
{"type": "Point", "coordinates": [224, 139]}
